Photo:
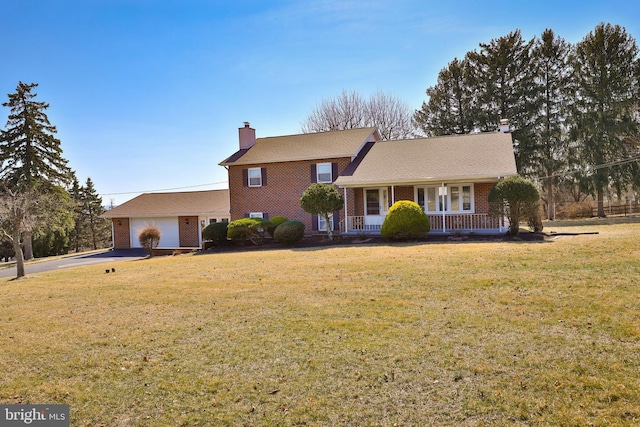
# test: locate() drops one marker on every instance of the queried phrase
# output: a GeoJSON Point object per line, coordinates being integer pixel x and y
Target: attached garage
{"type": "Point", "coordinates": [169, 235]}
{"type": "Point", "coordinates": [180, 217]}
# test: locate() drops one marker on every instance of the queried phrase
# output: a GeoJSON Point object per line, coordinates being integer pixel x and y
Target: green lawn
{"type": "Point", "coordinates": [460, 334]}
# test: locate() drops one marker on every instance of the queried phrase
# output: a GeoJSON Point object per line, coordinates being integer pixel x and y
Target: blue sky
{"type": "Point", "coordinates": [149, 94]}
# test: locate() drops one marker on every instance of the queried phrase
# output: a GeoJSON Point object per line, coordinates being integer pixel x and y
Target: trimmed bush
{"type": "Point", "coordinates": [275, 221]}
{"type": "Point", "coordinates": [405, 220]}
{"type": "Point", "coordinates": [516, 198]}
{"type": "Point", "coordinates": [216, 232]}
{"type": "Point", "coordinates": [289, 232]}
{"type": "Point", "coordinates": [149, 238]}
{"type": "Point", "coordinates": [248, 229]}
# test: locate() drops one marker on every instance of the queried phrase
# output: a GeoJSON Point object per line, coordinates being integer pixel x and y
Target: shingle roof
{"type": "Point", "coordinates": [212, 202]}
{"type": "Point", "coordinates": [308, 146]}
{"type": "Point", "coordinates": [484, 156]}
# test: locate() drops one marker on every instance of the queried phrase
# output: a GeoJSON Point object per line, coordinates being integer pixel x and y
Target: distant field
{"type": "Point", "coordinates": [444, 334]}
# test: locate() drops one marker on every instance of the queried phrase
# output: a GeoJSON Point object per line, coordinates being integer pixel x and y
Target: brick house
{"type": "Point", "coordinates": [180, 217]}
{"type": "Point", "coordinates": [450, 177]}
{"type": "Point", "coordinates": [267, 176]}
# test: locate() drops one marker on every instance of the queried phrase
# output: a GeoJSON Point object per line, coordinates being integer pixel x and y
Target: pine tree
{"type": "Point", "coordinates": [29, 151]}
{"type": "Point", "coordinates": [606, 79]}
{"type": "Point", "coordinates": [451, 102]}
{"type": "Point", "coordinates": [30, 155]}
{"type": "Point", "coordinates": [548, 154]}
{"type": "Point", "coordinates": [97, 228]}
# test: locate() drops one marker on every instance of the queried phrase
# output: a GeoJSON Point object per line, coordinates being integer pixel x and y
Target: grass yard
{"type": "Point", "coordinates": [443, 334]}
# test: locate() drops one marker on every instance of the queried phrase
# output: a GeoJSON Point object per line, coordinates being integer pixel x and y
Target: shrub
{"type": "Point", "coordinates": [6, 250]}
{"type": "Point", "coordinates": [289, 232]}
{"type": "Point", "coordinates": [216, 232]}
{"type": "Point", "coordinates": [516, 198]}
{"type": "Point", "coordinates": [322, 199]}
{"type": "Point", "coordinates": [251, 229]}
{"type": "Point", "coordinates": [275, 221]}
{"type": "Point", "coordinates": [149, 238]}
{"type": "Point", "coordinates": [535, 220]}
{"type": "Point", "coordinates": [405, 220]}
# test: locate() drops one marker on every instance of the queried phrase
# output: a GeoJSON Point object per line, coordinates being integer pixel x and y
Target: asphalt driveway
{"type": "Point", "coordinates": [105, 257]}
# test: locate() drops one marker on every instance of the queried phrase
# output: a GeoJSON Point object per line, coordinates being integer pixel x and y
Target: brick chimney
{"type": "Point", "coordinates": [247, 136]}
{"type": "Point", "coordinates": [504, 126]}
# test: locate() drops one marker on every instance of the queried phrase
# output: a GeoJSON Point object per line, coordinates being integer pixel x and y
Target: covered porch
{"type": "Point", "coordinates": [447, 223]}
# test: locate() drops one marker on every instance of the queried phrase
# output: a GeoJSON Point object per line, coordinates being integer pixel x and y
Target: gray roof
{"type": "Point", "coordinates": [308, 146]}
{"type": "Point", "coordinates": [212, 202]}
{"type": "Point", "coordinates": [474, 157]}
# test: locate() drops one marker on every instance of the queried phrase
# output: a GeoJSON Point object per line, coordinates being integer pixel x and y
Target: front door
{"type": "Point", "coordinates": [375, 207]}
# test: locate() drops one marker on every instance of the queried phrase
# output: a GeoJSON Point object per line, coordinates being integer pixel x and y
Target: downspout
{"type": "Point", "coordinates": [393, 195]}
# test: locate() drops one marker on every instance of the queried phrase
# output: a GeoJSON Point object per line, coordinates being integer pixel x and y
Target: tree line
{"type": "Point", "coordinates": [573, 109]}
{"type": "Point", "coordinates": [44, 210]}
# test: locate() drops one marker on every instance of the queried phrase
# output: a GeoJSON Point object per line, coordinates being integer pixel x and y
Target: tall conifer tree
{"type": "Point", "coordinates": [30, 155]}
{"type": "Point", "coordinates": [451, 102]}
{"type": "Point", "coordinates": [548, 152]}
{"type": "Point", "coordinates": [606, 79]}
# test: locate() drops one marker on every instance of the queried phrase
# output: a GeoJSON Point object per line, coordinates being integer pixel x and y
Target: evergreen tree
{"type": "Point", "coordinates": [606, 79]}
{"type": "Point", "coordinates": [29, 151]}
{"type": "Point", "coordinates": [76, 196]}
{"type": "Point", "coordinates": [548, 154]}
{"type": "Point", "coordinates": [502, 77]}
{"type": "Point", "coordinates": [98, 231]}
{"type": "Point", "coordinates": [451, 102]}
{"type": "Point", "coordinates": [30, 155]}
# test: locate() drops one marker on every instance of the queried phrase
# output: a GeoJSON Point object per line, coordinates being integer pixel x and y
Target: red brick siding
{"type": "Point", "coordinates": [481, 194]}
{"type": "Point", "coordinates": [281, 196]}
{"type": "Point", "coordinates": [404, 193]}
{"type": "Point", "coordinates": [188, 233]}
{"type": "Point", "coordinates": [121, 234]}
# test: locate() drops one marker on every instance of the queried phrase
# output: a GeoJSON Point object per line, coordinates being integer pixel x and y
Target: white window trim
{"type": "Point", "coordinates": [322, 226]}
{"type": "Point", "coordinates": [259, 170]}
{"type": "Point", "coordinates": [324, 165]}
{"type": "Point", "coordinates": [448, 198]}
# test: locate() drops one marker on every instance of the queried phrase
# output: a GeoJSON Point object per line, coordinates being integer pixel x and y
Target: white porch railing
{"type": "Point", "coordinates": [452, 223]}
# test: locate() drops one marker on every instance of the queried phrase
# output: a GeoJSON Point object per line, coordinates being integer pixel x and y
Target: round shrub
{"type": "Point", "coordinates": [405, 220]}
{"type": "Point", "coordinates": [289, 232]}
{"type": "Point", "coordinates": [216, 232]}
{"type": "Point", "coordinates": [149, 238]}
{"type": "Point", "coordinates": [275, 221]}
{"type": "Point", "coordinates": [252, 229]}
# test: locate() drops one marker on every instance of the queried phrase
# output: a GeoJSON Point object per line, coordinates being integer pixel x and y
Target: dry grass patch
{"type": "Point", "coordinates": [408, 334]}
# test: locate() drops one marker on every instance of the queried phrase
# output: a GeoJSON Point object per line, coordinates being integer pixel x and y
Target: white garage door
{"type": "Point", "coordinates": [169, 235]}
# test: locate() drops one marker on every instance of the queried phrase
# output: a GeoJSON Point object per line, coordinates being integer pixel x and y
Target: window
{"type": "Point", "coordinates": [448, 198]}
{"type": "Point", "coordinates": [256, 214]}
{"type": "Point", "coordinates": [255, 177]}
{"type": "Point", "coordinates": [324, 173]}
{"type": "Point", "coordinates": [373, 202]}
{"type": "Point", "coordinates": [322, 223]}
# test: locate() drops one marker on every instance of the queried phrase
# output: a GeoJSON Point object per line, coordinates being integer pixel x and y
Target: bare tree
{"type": "Point", "coordinates": [349, 110]}
{"type": "Point", "coordinates": [20, 213]}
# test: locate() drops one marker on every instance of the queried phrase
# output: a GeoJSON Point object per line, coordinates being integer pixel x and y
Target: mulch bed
{"type": "Point", "coordinates": [320, 241]}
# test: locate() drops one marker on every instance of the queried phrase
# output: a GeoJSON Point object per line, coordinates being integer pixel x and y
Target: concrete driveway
{"type": "Point", "coordinates": [106, 256]}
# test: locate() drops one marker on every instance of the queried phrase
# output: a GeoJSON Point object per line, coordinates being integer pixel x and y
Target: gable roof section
{"type": "Point", "coordinates": [475, 157]}
{"type": "Point", "coordinates": [308, 146]}
{"type": "Point", "coordinates": [212, 202]}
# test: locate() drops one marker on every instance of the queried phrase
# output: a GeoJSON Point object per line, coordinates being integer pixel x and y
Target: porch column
{"type": "Point", "coordinates": [346, 212]}
{"type": "Point", "coordinates": [442, 205]}
{"type": "Point", "coordinates": [393, 195]}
